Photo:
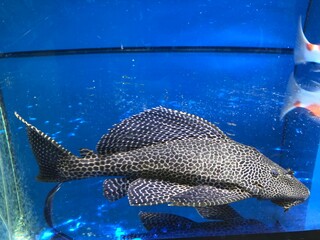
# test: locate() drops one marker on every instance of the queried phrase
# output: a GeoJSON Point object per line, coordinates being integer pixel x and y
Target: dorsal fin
{"type": "Point", "coordinates": [156, 125]}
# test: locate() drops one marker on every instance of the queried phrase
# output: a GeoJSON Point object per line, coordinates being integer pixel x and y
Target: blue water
{"type": "Point", "coordinates": [75, 99]}
{"type": "Point", "coordinates": [34, 24]}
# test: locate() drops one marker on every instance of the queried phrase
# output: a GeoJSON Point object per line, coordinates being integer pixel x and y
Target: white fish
{"type": "Point", "coordinates": [305, 51]}
{"type": "Point", "coordinates": [299, 97]}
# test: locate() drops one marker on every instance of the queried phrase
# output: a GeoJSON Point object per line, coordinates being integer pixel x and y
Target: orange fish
{"type": "Point", "coordinates": [305, 51]}
{"type": "Point", "coordinates": [298, 97]}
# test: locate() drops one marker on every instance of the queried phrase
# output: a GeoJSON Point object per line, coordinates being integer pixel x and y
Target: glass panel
{"type": "Point", "coordinates": [227, 63]}
{"type": "Point", "coordinates": [15, 212]}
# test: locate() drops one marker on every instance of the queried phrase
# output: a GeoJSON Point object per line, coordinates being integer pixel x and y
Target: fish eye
{"type": "Point", "coordinates": [274, 172]}
{"type": "Point", "coordinates": [290, 172]}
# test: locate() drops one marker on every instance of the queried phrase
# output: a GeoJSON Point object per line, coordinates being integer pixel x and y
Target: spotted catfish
{"type": "Point", "coordinates": [167, 156]}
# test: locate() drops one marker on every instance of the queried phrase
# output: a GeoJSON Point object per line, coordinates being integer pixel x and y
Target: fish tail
{"type": "Point", "coordinates": [292, 99]}
{"type": "Point", "coordinates": [49, 154]}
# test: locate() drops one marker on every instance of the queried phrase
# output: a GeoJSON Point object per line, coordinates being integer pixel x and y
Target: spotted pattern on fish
{"type": "Point", "coordinates": [207, 196]}
{"type": "Point", "coordinates": [221, 212]}
{"type": "Point", "coordinates": [153, 126]}
{"type": "Point", "coordinates": [162, 145]}
{"type": "Point", "coordinates": [44, 149]}
{"type": "Point", "coordinates": [143, 192]}
{"type": "Point", "coordinates": [115, 188]}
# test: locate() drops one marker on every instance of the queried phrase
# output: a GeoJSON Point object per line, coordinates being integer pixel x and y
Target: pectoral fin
{"type": "Point", "coordinates": [205, 196]}
{"type": "Point", "coordinates": [116, 188]}
{"type": "Point", "coordinates": [221, 212]}
{"type": "Point", "coordinates": [144, 192]}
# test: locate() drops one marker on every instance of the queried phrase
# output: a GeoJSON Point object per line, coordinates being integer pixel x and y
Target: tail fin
{"type": "Point", "coordinates": [305, 51]}
{"type": "Point", "coordinates": [292, 99]}
{"type": "Point", "coordinates": [48, 153]}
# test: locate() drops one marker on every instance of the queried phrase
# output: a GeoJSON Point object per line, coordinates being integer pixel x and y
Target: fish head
{"type": "Point", "coordinates": [282, 187]}
{"type": "Point", "coordinates": [291, 191]}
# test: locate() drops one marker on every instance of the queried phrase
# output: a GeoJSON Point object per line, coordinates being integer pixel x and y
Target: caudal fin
{"type": "Point", "coordinates": [49, 154]}
{"type": "Point", "coordinates": [292, 99]}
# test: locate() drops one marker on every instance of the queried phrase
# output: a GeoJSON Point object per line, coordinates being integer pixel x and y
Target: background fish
{"type": "Point", "coordinates": [298, 97]}
{"type": "Point", "coordinates": [305, 54]}
{"type": "Point", "coordinates": [305, 51]}
{"type": "Point", "coordinates": [168, 156]}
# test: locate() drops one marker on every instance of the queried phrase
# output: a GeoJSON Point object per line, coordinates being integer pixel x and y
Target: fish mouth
{"type": "Point", "coordinates": [287, 203]}
{"type": "Point", "coordinates": [297, 198]}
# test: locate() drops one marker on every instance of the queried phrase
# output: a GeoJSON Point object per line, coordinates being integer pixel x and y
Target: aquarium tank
{"type": "Point", "coordinates": [93, 93]}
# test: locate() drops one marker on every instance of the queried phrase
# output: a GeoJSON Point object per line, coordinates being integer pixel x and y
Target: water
{"type": "Point", "coordinates": [76, 98]}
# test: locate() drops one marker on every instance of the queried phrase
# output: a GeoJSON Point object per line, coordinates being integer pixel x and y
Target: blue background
{"type": "Point", "coordinates": [77, 98]}
{"type": "Point", "coordinates": [35, 24]}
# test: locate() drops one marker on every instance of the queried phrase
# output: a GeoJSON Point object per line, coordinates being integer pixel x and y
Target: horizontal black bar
{"type": "Point", "coordinates": [178, 49]}
{"type": "Point", "coordinates": [302, 235]}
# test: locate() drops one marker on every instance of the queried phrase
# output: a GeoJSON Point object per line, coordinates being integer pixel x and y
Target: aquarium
{"type": "Point", "coordinates": [112, 111]}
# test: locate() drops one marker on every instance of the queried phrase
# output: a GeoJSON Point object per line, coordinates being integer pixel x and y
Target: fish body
{"type": "Point", "coordinates": [167, 156]}
{"type": "Point", "coordinates": [298, 97]}
{"type": "Point", "coordinates": [305, 51]}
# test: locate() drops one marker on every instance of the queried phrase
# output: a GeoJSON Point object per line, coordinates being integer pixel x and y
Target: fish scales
{"type": "Point", "coordinates": [167, 161]}
{"type": "Point", "coordinates": [170, 157]}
